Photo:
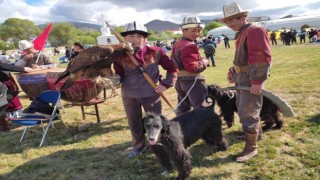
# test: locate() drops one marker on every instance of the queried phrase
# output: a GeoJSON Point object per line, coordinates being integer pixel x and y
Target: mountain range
{"type": "Point", "coordinates": [154, 25]}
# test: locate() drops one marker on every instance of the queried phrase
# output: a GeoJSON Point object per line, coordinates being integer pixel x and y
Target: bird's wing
{"type": "Point", "coordinates": [88, 57]}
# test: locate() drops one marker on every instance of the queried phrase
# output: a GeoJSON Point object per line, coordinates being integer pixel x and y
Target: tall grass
{"type": "Point", "coordinates": [102, 152]}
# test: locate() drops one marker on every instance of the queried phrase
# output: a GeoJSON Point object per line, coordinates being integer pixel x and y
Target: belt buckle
{"type": "Point", "coordinates": [236, 69]}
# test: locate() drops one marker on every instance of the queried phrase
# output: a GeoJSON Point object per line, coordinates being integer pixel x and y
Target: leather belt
{"type": "Point", "coordinates": [183, 73]}
{"type": "Point", "coordinates": [241, 69]}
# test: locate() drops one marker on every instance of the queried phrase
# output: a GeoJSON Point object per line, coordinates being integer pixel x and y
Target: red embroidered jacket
{"type": "Point", "coordinates": [253, 50]}
{"type": "Point", "coordinates": [185, 54]}
{"type": "Point", "coordinates": [134, 85]}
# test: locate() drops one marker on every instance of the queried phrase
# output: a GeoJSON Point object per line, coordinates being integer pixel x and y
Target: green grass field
{"type": "Point", "coordinates": [102, 152]}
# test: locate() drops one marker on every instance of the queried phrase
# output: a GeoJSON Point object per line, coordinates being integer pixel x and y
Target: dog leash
{"type": "Point", "coordinates": [194, 83]}
{"type": "Point", "coordinates": [230, 94]}
{"type": "Point", "coordinates": [228, 91]}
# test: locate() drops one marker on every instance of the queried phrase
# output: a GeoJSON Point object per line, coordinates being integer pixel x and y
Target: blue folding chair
{"type": "Point", "coordinates": [46, 121]}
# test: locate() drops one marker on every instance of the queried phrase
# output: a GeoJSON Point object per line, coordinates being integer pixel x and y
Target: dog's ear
{"type": "Point", "coordinates": [163, 117]}
{"type": "Point", "coordinates": [214, 90]}
{"type": "Point", "coordinates": [210, 88]}
{"type": "Point", "coordinates": [165, 124]}
{"type": "Point", "coordinates": [146, 116]}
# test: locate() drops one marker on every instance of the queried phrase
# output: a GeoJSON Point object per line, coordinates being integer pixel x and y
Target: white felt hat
{"type": "Point", "coordinates": [24, 44]}
{"type": "Point", "coordinates": [232, 10]}
{"type": "Point", "coordinates": [191, 22]}
{"type": "Point", "coordinates": [135, 27]}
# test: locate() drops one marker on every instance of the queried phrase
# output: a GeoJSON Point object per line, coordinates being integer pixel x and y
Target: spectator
{"type": "Point", "coordinates": [226, 41]}
{"type": "Point", "coordinates": [294, 37]}
{"type": "Point", "coordinates": [77, 48]}
{"type": "Point", "coordinates": [173, 42]}
{"type": "Point", "coordinates": [210, 49]}
{"type": "Point", "coordinates": [310, 35]}
{"type": "Point", "coordinates": [68, 52]}
{"type": "Point", "coordinates": [302, 36]}
{"type": "Point", "coordinates": [158, 44]}
{"type": "Point", "coordinates": [287, 38]}
{"type": "Point", "coordinates": [33, 58]}
{"type": "Point", "coordinates": [273, 37]}
{"type": "Point", "coordinates": [7, 80]}
{"type": "Point", "coordinates": [56, 51]}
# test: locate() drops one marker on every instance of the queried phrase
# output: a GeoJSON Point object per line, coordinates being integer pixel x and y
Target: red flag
{"type": "Point", "coordinates": [42, 38]}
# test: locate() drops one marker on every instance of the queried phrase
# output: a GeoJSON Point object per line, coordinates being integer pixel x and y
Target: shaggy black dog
{"type": "Point", "coordinates": [170, 138]}
{"type": "Point", "coordinates": [270, 113]}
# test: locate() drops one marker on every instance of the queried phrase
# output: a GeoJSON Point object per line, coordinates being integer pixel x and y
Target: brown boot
{"type": "Point", "coordinates": [260, 135]}
{"type": "Point", "coordinates": [250, 150]}
{"type": "Point", "coordinates": [3, 123]}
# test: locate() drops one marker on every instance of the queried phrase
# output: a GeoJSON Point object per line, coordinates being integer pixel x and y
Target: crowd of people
{"type": "Point", "coordinates": [289, 37]}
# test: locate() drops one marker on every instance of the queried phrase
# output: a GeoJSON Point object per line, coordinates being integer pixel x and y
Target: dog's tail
{"type": "Point", "coordinates": [210, 100]}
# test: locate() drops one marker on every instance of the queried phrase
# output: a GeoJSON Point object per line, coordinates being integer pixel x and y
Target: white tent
{"type": "Point", "coordinates": [273, 25]}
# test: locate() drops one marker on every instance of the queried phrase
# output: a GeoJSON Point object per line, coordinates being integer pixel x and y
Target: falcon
{"type": "Point", "coordinates": [92, 63]}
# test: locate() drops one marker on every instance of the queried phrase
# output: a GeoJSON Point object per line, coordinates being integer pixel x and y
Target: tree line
{"type": "Point", "coordinates": [65, 34]}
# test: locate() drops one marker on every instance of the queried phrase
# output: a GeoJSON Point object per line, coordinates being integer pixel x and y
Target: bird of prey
{"type": "Point", "coordinates": [92, 63]}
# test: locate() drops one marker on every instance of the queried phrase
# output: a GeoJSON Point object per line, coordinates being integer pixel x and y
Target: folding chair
{"type": "Point", "coordinates": [46, 121]}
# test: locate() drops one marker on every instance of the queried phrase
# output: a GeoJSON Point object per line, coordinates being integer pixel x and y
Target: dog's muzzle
{"type": "Point", "coordinates": [152, 141]}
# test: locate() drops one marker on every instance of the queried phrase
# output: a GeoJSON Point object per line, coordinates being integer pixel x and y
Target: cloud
{"type": "Point", "coordinates": [119, 12]}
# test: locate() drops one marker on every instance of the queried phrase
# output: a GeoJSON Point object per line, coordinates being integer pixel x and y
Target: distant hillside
{"type": "Point", "coordinates": [158, 25]}
{"type": "Point", "coordinates": [87, 26]}
{"type": "Point", "coordinates": [155, 25]}
{"type": "Point", "coordinates": [81, 25]}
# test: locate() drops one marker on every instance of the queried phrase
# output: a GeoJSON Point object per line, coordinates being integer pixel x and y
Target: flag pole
{"type": "Point", "coordinates": [38, 57]}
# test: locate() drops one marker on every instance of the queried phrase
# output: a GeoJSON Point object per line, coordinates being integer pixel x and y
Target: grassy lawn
{"type": "Point", "coordinates": [102, 152]}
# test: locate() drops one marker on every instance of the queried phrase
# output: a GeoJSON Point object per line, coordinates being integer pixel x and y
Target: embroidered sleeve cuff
{"type": "Point", "coordinates": [201, 67]}
{"type": "Point", "coordinates": [257, 82]}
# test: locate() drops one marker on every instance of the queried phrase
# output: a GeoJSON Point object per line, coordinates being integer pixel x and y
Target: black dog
{"type": "Point", "coordinates": [270, 113]}
{"type": "Point", "coordinates": [169, 139]}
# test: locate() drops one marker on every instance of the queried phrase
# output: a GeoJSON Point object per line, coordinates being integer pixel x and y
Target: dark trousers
{"type": "Point", "coordinates": [196, 97]}
{"type": "Point", "coordinates": [287, 41]}
{"type": "Point", "coordinates": [226, 44]}
{"type": "Point", "coordinates": [133, 108]}
{"type": "Point", "coordinates": [274, 42]}
{"type": "Point", "coordinates": [249, 117]}
{"type": "Point", "coordinates": [211, 56]}
{"type": "Point", "coordinates": [249, 105]}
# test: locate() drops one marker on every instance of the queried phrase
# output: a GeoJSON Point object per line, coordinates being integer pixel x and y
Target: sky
{"type": "Point", "coordinates": [119, 12]}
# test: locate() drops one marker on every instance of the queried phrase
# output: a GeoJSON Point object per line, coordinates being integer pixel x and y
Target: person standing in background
{"type": "Point", "coordinates": [273, 37]}
{"type": "Point", "coordinates": [209, 47]}
{"type": "Point", "coordinates": [226, 41]}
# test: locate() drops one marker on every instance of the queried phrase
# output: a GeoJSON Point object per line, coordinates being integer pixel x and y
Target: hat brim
{"type": "Point", "coordinates": [31, 46]}
{"type": "Point", "coordinates": [243, 13]}
{"type": "Point", "coordinates": [145, 34]}
{"type": "Point", "coordinates": [192, 25]}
